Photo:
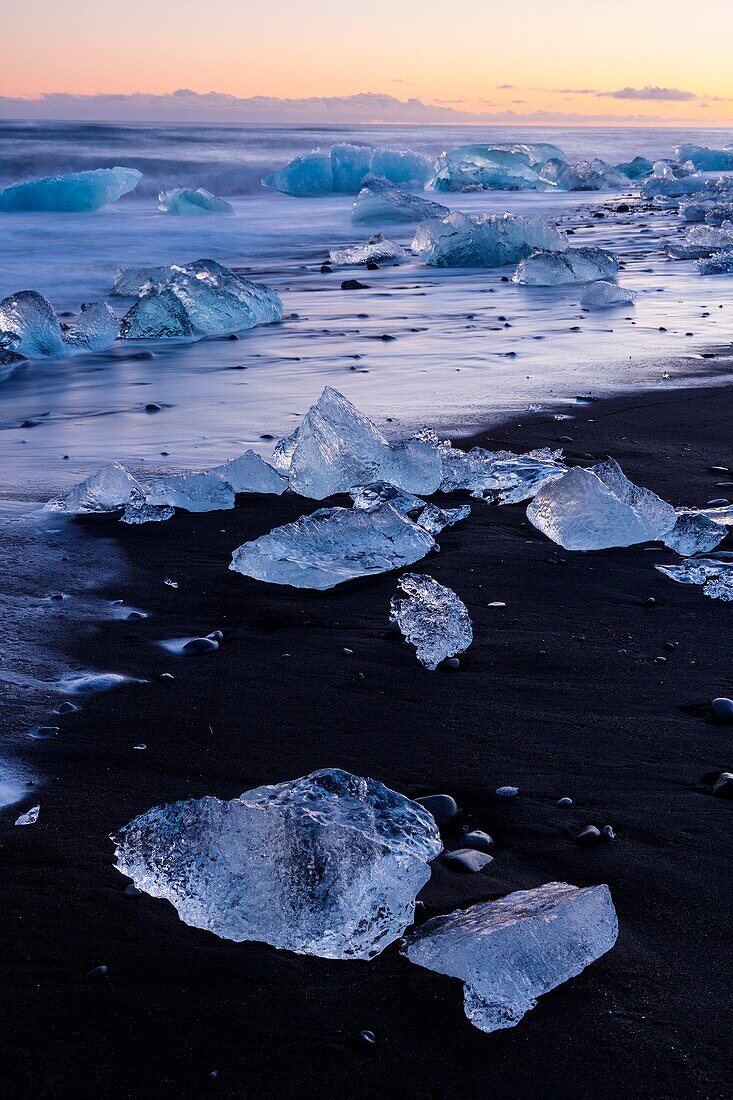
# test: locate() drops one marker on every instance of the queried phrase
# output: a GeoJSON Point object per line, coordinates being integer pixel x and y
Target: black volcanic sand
{"type": "Point", "coordinates": [560, 694]}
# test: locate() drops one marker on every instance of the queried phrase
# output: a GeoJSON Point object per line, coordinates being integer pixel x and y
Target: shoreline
{"type": "Point", "coordinates": [559, 694]}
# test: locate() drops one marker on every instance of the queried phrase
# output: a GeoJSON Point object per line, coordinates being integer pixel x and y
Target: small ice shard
{"type": "Point", "coordinates": [716, 577]}
{"type": "Point", "coordinates": [305, 176]}
{"type": "Point", "coordinates": [91, 683]}
{"type": "Point", "coordinates": [371, 496]}
{"type": "Point", "coordinates": [594, 175]}
{"type": "Point", "coordinates": [434, 519]}
{"type": "Point", "coordinates": [702, 240]}
{"type": "Point", "coordinates": [511, 951]}
{"type": "Point", "coordinates": [377, 250]}
{"type": "Point", "coordinates": [331, 546]}
{"type": "Point", "coordinates": [432, 618]}
{"type": "Point", "coordinates": [129, 282]}
{"type": "Point", "coordinates": [250, 474]}
{"type": "Point", "coordinates": [602, 295]}
{"type": "Point", "coordinates": [202, 298]}
{"type": "Point", "coordinates": [599, 508]}
{"type": "Point", "coordinates": [636, 169]}
{"type": "Point", "coordinates": [499, 476]}
{"type": "Point", "coordinates": [186, 200]}
{"type": "Point", "coordinates": [704, 159]}
{"type": "Point", "coordinates": [380, 201]}
{"type": "Point", "coordinates": [107, 490]}
{"type": "Point", "coordinates": [30, 817]}
{"type": "Point", "coordinates": [95, 329]}
{"type": "Point", "coordinates": [575, 265]}
{"type": "Point", "coordinates": [720, 587]}
{"type": "Point", "coordinates": [29, 326]}
{"type": "Point", "coordinates": [337, 448]}
{"type": "Point", "coordinates": [721, 263]}
{"type": "Point", "coordinates": [501, 166]}
{"type": "Point", "coordinates": [77, 192]}
{"type": "Point", "coordinates": [200, 492]}
{"type": "Point", "coordinates": [694, 534]}
{"type": "Point", "coordinates": [137, 510]}
{"type": "Point", "coordinates": [490, 240]}
{"type": "Point", "coordinates": [327, 865]}
{"type": "Point", "coordinates": [719, 514]}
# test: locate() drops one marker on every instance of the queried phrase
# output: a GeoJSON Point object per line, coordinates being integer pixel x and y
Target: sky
{"type": "Point", "coordinates": [571, 61]}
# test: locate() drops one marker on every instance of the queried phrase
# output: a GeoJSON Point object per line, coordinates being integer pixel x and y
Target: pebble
{"type": "Point", "coordinates": [347, 651]}
{"type": "Point", "coordinates": [564, 802]}
{"type": "Point", "coordinates": [131, 891]}
{"type": "Point", "coordinates": [44, 733]}
{"type": "Point", "coordinates": [200, 645]}
{"type": "Point", "coordinates": [66, 708]}
{"type": "Point", "coordinates": [216, 636]}
{"type": "Point", "coordinates": [153, 407]}
{"type": "Point", "coordinates": [589, 835]}
{"type": "Point", "coordinates": [353, 284]}
{"type": "Point", "coordinates": [443, 807]}
{"type": "Point", "coordinates": [325, 269]}
{"type": "Point", "coordinates": [479, 840]}
{"type": "Point", "coordinates": [497, 603]}
{"type": "Point", "coordinates": [452, 662]}
{"type": "Point", "coordinates": [507, 792]}
{"type": "Point", "coordinates": [166, 676]}
{"type": "Point", "coordinates": [608, 833]}
{"type": "Point", "coordinates": [723, 786]}
{"type": "Point", "coordinates": [97, 972]}
{"type": "Point", "coordinates": [722, 709]}
{"type": "Point", "coordinates": [467, 861]}
{"type": "Point", "coordinates": [134, 615]}
{"type": "Point", "coordinates": [367, 1039]}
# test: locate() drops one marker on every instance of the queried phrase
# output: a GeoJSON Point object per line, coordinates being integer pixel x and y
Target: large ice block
{"type": "Point", "coordinates": [326, 865]}
{"type": "Point", "coordinates": [403, 167]}
{"type": "Point", "coordinates": [380, 201]}
{"type": "Point", "coordinates": [594, 175]}
{"type": "Point", "coordinates": [76, 192]}
{"type": "Point", "coordinates": [345, 167]}
{"type": "Point", "coordinates": [107, 490]}
{"type": "Point", "coordinates": [333, 545]}
{"type": "Point", "coordinates": [305, 177]}
{"type": "Point", "coordinates": [432, 618]}
{"type": "Point", "coordinates": [499, 476]}
{"type": "Point", "coordinates": [575, 265]}
{"type": "Point", "coordinates": [511, 951]}
{"type": "Point", "coordinates": [694, 534]}
{"type": "Point", "coordinates": [704, 159]}
{"type": "Point", "coordinates": [490, 240]}
{"type": "Point", "coordinates": [249, 473]}
{"type": "Point", "coordinates": [502, 166]}
{"type": "Point", "coordinates": [29, 326]}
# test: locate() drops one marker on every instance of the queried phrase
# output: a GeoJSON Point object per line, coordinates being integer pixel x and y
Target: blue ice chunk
{"type": "Point", "coordinates": [594, 175]}
{"type": "Point", "coordinates": [305, 177]}
{"type": "Point", "coordinates": [670, 187]}
{"type": "Point", "coordinates": [489, 240]}
{"type": "Point", "coordinates": [380, 201]}
{"type": "Point", "coordinates": [186, 200]}
{"type": "Point", "coordinates": [350, 164]}
{"type": "Point", "coordinates": [706, 160]}
{"type": "Point", "coordinates": [575, 265]}
{"type": "Point", "coordinates": [29, 326]}
{"type": "Point", "coordinates": [77, 192]}
{"type": "Point", "coordinates": [95, 329]}
{"type": "Point", "coordinates": [502, 166]}
{"type": "Point", "coordinates": [403, 167]}
{"type": "Point", "coordinates": [636, 169]}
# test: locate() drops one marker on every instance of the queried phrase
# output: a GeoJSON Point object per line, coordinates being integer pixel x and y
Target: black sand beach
{"type": "Point", "coordinates": [577, 687]}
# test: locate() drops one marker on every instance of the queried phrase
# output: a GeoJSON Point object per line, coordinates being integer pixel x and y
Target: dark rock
{"type": "Point", "coordinates": [200, 645]}
{"type": "Point", "coordinates": [722, 709]}
{"type": "Point", "coordinates": [589, 835]}
{"type": "Point", "coordinates": [564, 802]}
{"type": "Point", "coordinates": [367, 1039]}
{"type": "Point", "coordinates": [723, 786]}
{"type": "Point", "coordinates": [479, 840]}
{"type": "Point", "coordinates": [467, 861]}
{"type": "Point", "coordinates": [131, 891]}
{"type": "Point", "coordinates": [452, 662]}
{"type": "Point", "coordinates": [443, 807]}
{"type": "Point", "coordinates": [353, 284]}
{"type": "Point", "coordinates": [97, 972]}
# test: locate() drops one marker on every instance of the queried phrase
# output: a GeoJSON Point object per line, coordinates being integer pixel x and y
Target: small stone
{"type": "Point", "coordinates": [131, 891]}
{"type": "Point", "coordinates": [649, 602]}
{"type": "Point", "coordinates": [44, 733]}
{"type": "Point", "coordinates": [166, 676]}
{"type": "Point", "coordinates": [443, 807]}
{"type": "Point", "coordinates": [723, 786]}
{"type": "Point", "coordinates": [722, 709]}
{"type": "Point", "coordinates": [589, 835]}
{"type": "Point", "coordinates": [97, 972]}
{"type": "Point", "coordinates": [452, 662]}
{"type": "Point", "coordinates": [479, 840]}
{"type": "Point", "coordinates": [153, 407]}
{"type": "Point", "coordinates": [608, 833]}
{"type": "Point", "coordinates": [216, 636]}
{"type": "Point", "coordinates": [353, 284]}
{"type": "Point", "coordinates": [200, 645]}
{"type": "Point", "coordinates": [497, 603]}
{"type": "Point", "coordinates": [467, 861]}
{"type": "Point", "coordinates": [133, 616]}
{"type": "Point", "coordinates": [564, 802]}
{"type": "Point", "coordinates": [325, 269]}
{"type": "Point", "coordinates": [347, 651]}
{"type": "Point", "coordinates": [367, 1039]}
{"type": "Point", "coordinates": [66, 708]}
{"type": "Point", "coordinates": [507, 792]}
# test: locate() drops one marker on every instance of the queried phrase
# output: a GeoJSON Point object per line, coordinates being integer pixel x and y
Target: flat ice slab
{"type": "Point", "coordinates": [326, 865]}
{"type": "Point", "coordinates": [511, 951]}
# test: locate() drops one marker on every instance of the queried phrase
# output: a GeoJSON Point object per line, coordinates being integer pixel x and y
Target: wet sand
{"type": "Point", "coordinates": [560, 694]}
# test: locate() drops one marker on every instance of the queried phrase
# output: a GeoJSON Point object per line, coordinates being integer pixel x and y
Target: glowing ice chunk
{"type": "Point", "coordinates": [377, 250]}
{"type": "Point", "coordinates": [380, 201]}
{"type": "Point", "coordinates": [77, 192]}
{"type": "Point", "coordinates": [95, 329]}
{"type": "Point", "coordinates": [29, 326]}
{"type": "Point", "coordinates": [432, 618]}
{"type": "Point", "coordinates": [107, 490]}
{"type": "Point", "coordinates": [489, 240]}
{"type": "Point", "coordinates": [603, 295]}
{"type": "Point", "coordinates": [575, 265]}
{"type": "Point", "coordinates": [186, 200]}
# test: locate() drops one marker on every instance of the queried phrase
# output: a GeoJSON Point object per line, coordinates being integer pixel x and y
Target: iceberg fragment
{"type": "Point", "coordinates": [379, 201]}
{"type": "Point", "coordinates": [377, 250]}
{"type": "Point", "coordinates": [721, 263]}
{"type": "Point", "coordinates": [503, 166]}
{"type": "Point", "coordinates": [202, 298]}
{"type": "Point", "coordinates": [249, 473]}
{"type": "Point", "coordinates": [107, 490]}
{"type": "Point", "coordinates": [575, 265]}
{"type": "Point", "coordinates": [511, 951]}
{"type": "Point", "coordinates": [345, 167]}
{"type": "Point", "coordinates": [716, 577]}
{"type": "Point", "coordinates": [95, 329]}
{"type": "Point", "coordinates": [29, 326]}
{"type": "Point", "coordinates": [636, 169]}
{"type": "Point", "coordinates": [129, 282]}
{"type": "Point", "coordinates": [593, 175]}
{"type": "Point", "coordinates": [76, 192]}
{"type": "Point", "coordinates": [333, 545]}
{"type": "Point", "coordinates": [706, 160]}
{"type": "Point", "coordinates": [489, 240]}
{"type": "Point", "coordinates": [403, 167]}
{"type": "Point", "coordinates": [137, 510]}
{"type": "Point", "coordinates": [668, 187]}
{"type": "Point", "coordinates": [349, 165]}
{"type": "Point", "coordinates": [434, 519]}
{"type": "Point", "coordinates": [602, 295]}
{"type": "Point", "coordinates": [368, 497]}
{"type": "Point", "coordinates": [186, 200]}
{"type": "Point", "coordinates": [201, 492]}
{"type": "Point", "coordinates": [499, 476]}
{"type": "Point", "coordinates": [694, 534]}
{"type": "Point", "coordinates": [326, 865]}
{"type": "Point", "coordinates": [305, 177]}
{"type": "Point", "coordinates": [432, 618]}
{"type": "Point", "coordinates": [599, 508]}
{"type": "Point", "coordinates": [337, 448]}
{"type": "Point", "coordinates": [702, 240]}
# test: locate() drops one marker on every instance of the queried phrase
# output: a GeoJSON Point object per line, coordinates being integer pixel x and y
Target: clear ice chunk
{"type": "Point", "coordinates": [129, 282]}
{"type": "Point", "coordinates": [249, 473]}
{"type": "Point", "coordinates": [701, 241]}
{"type": "Point", "coordinates": [377, 250]}
{"type": "Point", "coordinates": [602, 295]}
{"type": "Point", "coordinates": [432, 618]}
{"type": "Point", "coordinates": [368, 497]}
{"type": "Point", "coordinates": [599, 508]}
{"type": "Point", "coordinates": [333, 545]}
{"type": "Point", "coordinates": [187, 200]}
{"type": "Point", "coordinates": [403, 167]}
{"type": "Point", "coordinates": [511, 951]}
{"type": "Point", "coordinates": [721, 263]}
{"type": "Point", "coordinates": [434, 519]}
{"type": "Point", "coordinates": [636, 169]}
{"type": "Point", "coordinates": [575, 265]}
{"type": "Point", "coordinates": [326, 865]}
{"type": "Point", "coordinates": [502, 166]}
{"type": "Point", "coordinates": [107, 490]}
{"type": "Point", "coordinates": [345, 167]}
{"type": "Point", "coordinates": [380, 201]}
{"type": "Point", "coordinates": [669, 187]}
{"type": "Point", "coordinates": [716, 577]}
{"type": "Point", "coordinates": [499, 476]}
{"type": "Point", "coordinates": [29, 326]}
{"type": "Point", "coordinates": [76, 192]}
{"type": "Point", "coordinates": [200, 492]}
{"type": "Point", "coordinates": [594, 175]}
{"type": "Point", "coordinates": [694, 534]}
{"type": "Point", "coordinates": [490, 240]}
{"type": "Point", "coordinates": [95, 329]}
{"type": "Point", "coordinates": [337, 448]}
{"type": "Point", "coordinates": [202, 298]}
{"type": "Point", "coordinates": [30, 817]}
{"type": "Point", "coordinates": [137, 510]}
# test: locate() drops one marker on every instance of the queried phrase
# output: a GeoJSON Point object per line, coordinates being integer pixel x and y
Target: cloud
{"type": "Point", "coordinates": [674, 95]}
{"type": "Point", "coordinates": [504, 87]}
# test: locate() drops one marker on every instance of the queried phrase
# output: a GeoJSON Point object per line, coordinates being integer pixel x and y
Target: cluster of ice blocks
{"type": "Point", "coordinates": [504, 166]}
{"type": "Point", "coordinates": [30, 329]}
{"type": "Point", "coordinates": [344, 167]}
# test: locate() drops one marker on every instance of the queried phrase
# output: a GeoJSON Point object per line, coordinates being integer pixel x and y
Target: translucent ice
{"type": "Point", "coordinates": [636, 169]}
{"type": "Point", "coordinates": [107, 490]}
{"type": "Point", "coordinates": [203, 298]}
{"type": "Point", "coordinates": [706, 160]}
{"type": "Point", "coordinates": [377, 250]}
{"type": "Point", "coordinates": [186, 200]}
{"type": "Point", "coordinates": [499, 476]}
{"type": "Point", "coordinates": [720, 263]}
{"type": "Point", "coordinates": [79, 191]}
{"type": "Point", "coordinates": [489, 240]}
{"type": "Point", "coordinates": [204, 492]}
{"type": "Point", "coordinates": [345, 167]}
{"type": "Point", "coordinates": [129, 282]}
{"type": "Point", "coordinates": [669, 187]}
{"type": "Point", "coordinates": [511, 951]}
{"type": "Point", "coordinates": [593, 175]}
{"type": "Point", "coordinates": [694, 534]}
{"type": "Point", "coordinates": [333, 545]}
{"type": "Point", "coordinates": [95, 329]}
{"type": "Point", "coordinates": [602, 295]}
{"type": "Point", "coordinates": [503, 166]}
{"type": "Point", "coordinates": [599, 508]}
{"type": "Point", "coordinates": [403, 167]}
{"type": "Point", "coordinates": [575, 265]}
{"type": "Point", "coordinates": [29, 326]}
{"type": "Point", "coordinates": [432, 618]}
{"type": "Point", "coordinates": [337, 448]}
{"type": "Point", "coordinates": [30, 817]}
{"type": "Point", "coordinates": [381, 201]}
{"type": "Point", "coordinates": [350, 164]}
{"type": "Point", "coordinates": [702, 240]}
{"type": "Point", "coordinates": [716, 577]}
{"type": "Point", "coordinates": [250, 474]}
{"type": "Point", "coordinates": [305, 176]}
{"type": "Point", "coordinates": [368, 497]}
{"type": "Point", "coordinates": [434, 519]}
{"type": "Point", "coordinates": [326, 865]}
{"type": "Point", "coordinates": [137, 510]}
